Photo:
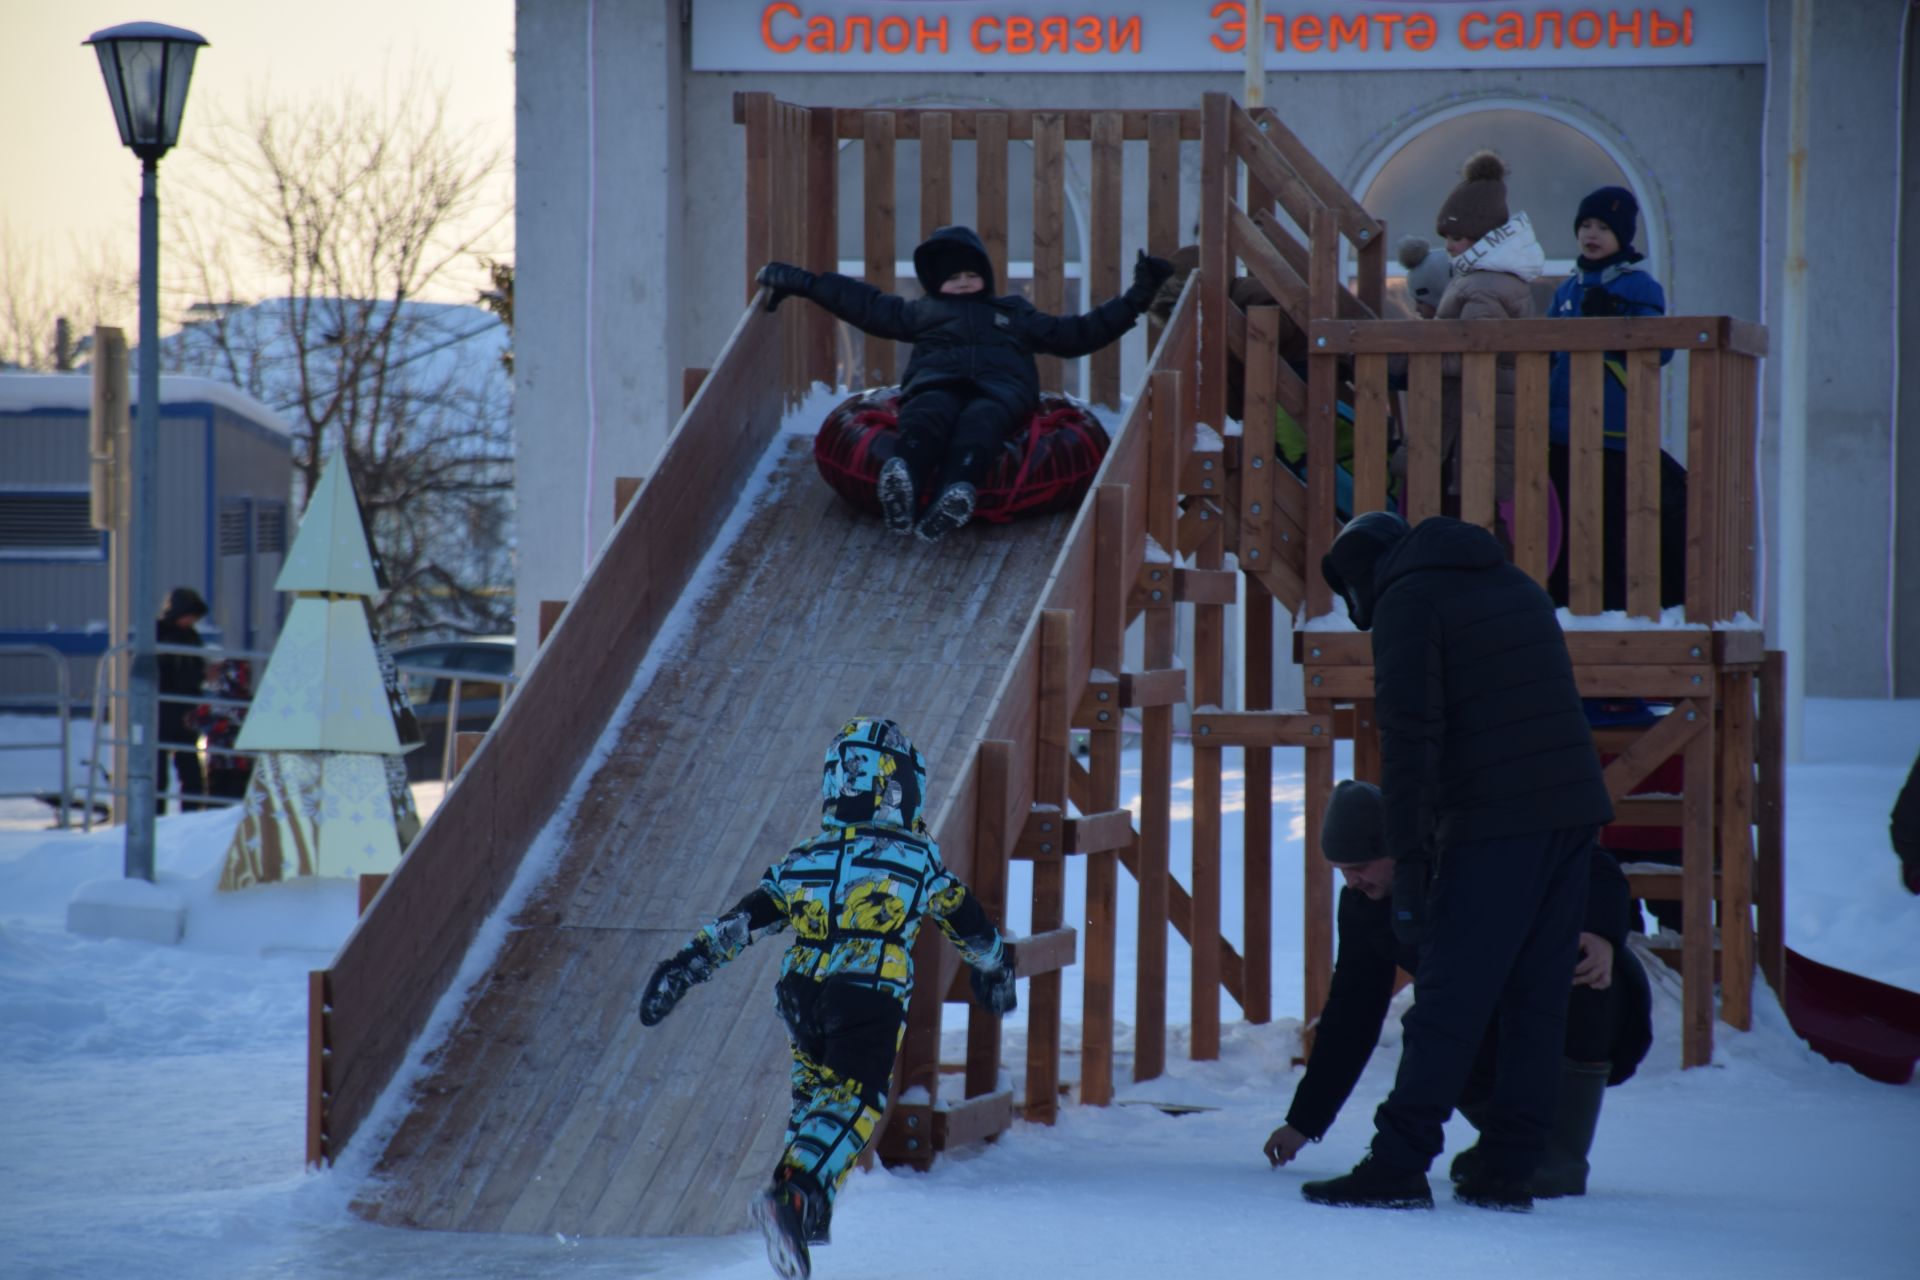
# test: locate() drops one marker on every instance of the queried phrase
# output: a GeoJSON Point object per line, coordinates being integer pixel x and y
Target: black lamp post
{"type": "Point", "coordinates": [147, 67]}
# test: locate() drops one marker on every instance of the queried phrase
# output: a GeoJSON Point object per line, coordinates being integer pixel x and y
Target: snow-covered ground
{"type": "Point", "coordinates": [153, 1106]}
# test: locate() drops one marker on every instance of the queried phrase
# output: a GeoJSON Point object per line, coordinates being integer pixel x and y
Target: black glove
{"type": "Point", "coordinates": [995, 988]}
{"type": "Point", "coordinates": [1148, 275]}
{"type": "Point", "coordinates": [670, 980]}
{"type": "Point", "coordinates": [784, 278]}
{"type": "Point", "coordinates": [1410, 877]}
{"type": "Point", "coordinates": [1597, 301]}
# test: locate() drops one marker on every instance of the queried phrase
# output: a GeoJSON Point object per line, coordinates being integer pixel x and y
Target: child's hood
{"type": "Point", "coordinates": [872, 774]}
{"type": "Point", "coordinates": [1510, 247]}
{"type": "Point", "coordinates": [951, 249]}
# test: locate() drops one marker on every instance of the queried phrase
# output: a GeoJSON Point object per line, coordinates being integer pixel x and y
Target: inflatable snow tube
{"type": "Point", "coordinates": [1046, 466]}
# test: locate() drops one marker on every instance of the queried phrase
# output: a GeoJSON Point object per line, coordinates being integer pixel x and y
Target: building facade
{"type": "Point", "coordinates": [631, 222]}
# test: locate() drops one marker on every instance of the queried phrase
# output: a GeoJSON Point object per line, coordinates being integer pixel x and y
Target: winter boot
{"type": "Point", "coordinates": [1576, 1114]}
{"type": "Point", "coordinates": [1470, 1161]}
{"type": "Point", "coordinates": [1373, 1184]}
{"type": "Point", "coordinates": [782, 1212]}
{"type": "Point", "coordinates": [953, 508]}
{"type": "Point", "coordinates": [896, 493]}
{"type": "Point", "coordinates": [1487, 1188]}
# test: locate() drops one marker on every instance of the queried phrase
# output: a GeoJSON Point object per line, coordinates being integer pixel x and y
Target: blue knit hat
{"type": "Point", "coordinates": [1614, 206]}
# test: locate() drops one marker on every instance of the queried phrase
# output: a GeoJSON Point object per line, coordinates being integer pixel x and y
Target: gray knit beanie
{"type": "Point", "coordinates": [1355, 828]}
{"type": "Point", "coordinates": [1427, 271]}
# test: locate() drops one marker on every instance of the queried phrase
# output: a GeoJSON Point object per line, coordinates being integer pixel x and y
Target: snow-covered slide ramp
{"type": "Point", "coordinates": [543, 1105]}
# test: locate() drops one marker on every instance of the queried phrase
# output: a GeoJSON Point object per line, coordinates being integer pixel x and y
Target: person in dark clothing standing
{"type": "Point", "coordinates": [1492, 795]}
{"type": "Point", "coordinates": [181, 674]}
{"type": "Point", "coordinates": [1904, 827]}
{"type": "Point", "coordinates": [972, 378]}
{"type": "Point", "coordinates": [1609, 1022]}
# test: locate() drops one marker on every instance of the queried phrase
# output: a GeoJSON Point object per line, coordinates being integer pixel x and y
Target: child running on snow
{"type": "Point", "coordinates": [971, 379]}
{"type": "Point", "coordinates": [854, 896]}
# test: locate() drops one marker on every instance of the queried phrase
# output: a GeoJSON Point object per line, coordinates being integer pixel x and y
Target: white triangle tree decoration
{"type": "Point", "coordinates": [329, 796]}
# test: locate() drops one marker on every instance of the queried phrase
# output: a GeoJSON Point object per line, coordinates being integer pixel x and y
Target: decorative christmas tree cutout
{"type": "Point", "coordinates": [329, 796]}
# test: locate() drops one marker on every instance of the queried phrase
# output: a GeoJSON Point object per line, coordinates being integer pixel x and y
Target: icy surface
{"type": "Point", "coordinates": [153, 1100]}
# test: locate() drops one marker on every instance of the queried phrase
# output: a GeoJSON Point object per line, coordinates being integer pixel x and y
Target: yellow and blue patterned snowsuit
{"type": "Point", "coordinates": [854, 897]}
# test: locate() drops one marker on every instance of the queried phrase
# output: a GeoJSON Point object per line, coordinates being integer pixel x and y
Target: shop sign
{"type": "Point", "coordinates": [1210, 35]}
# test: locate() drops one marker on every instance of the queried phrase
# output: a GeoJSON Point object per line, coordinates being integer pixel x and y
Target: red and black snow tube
{"type": "Point", "coordinates": [1045, 467]}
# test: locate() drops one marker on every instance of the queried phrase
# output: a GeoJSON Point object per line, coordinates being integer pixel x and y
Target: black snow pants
{"type": "Point", "coordinates": [1504, 918]}
{"type": "Point", "coordinates": [950, 434]}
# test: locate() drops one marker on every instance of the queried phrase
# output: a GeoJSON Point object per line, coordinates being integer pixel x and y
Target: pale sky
{"type": "Point", "coordinates": [63, 172]}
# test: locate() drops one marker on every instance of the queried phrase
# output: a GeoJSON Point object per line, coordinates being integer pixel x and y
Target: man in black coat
{"type": "Point", "coordinates": [181, 674]}
{"type": "Point", "coordinates": [1492, 797]}
{"type": "Point", "coordinates": [1609, 1018]}
{"type": "Point", "coordinates": [1903, 826]}
{"type": "Point", "coordinates": [971, 379]}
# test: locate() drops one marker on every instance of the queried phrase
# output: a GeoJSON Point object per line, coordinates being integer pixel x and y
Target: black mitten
{"type": "Point", "coordinates": [670, 981]}
{"type": "Point", "coordinates": [1148, 275]}
{"type": "Point", "coordinates": [784, 278]}
{"type": "Point", "coordinates": [1410, 879]}
{"type": "Point", "coordinates": [1597, 301]}
{"type": "Point", "coordinates": [995, 989]}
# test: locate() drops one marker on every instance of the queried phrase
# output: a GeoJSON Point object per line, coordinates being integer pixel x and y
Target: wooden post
{"type": "Point", "coordinates": [1103, 251]}
{"type": "Point", "coordinates": [992, 773]}
{"type": "Point", "coordinates": [319, 1082]}
{"type": "Point", "coordinates": [823, 233]}
{"type": "Point", "coordinates": [1098, 955]}
{"type": "Point", "coordinates": [1166, 410]}
{"type": "Point", "coordinates": [113, 436]}
{"type": "Point", "coordinates": [1316, 881]}
{"type": "Point", "coordinates": [1217, 168]}
{"type": "Point", "coordinates": [1369, 434]}
{"type": "Point", "coordinates": [1053, 745]}
{"type": "Point", "coordinates": [550, 611]}
{"type": "Point", "coordinates": [1049, 229]}
{"type": "Point", "coordinates": [1478, 378]}
{"type": "Point", "coordinates": [990, 190]}
{"type": "Point", "coordinates": [1423, 440]}
{"type": "Point", "coordinates": [1586, 515]}
{"type": "Point", "coordinates": [1770, 817]}
{"type": "Point", "coordinates": [877, 368]}
{"type": "Point", "coordinates": [1696, 898]}
{"type": "Point", "coordinates": [465, 743]}
{"type": "Point", "coordinates": [1323, 373]}
{"type": "Point", "coordinates": [758, 113]}
{"type": "Point", "coordinates": [1736, 849]}
{"type": "Point", "coordinates": [1643, 484]}
{"type": "Point", "coordinates": [1256, 920]}
{"type": "Point", "coordinates": [1163, 194]}
{"type": "Point", "coordinates": [1209, 659]}
{"type": "Point", "coordinates": [624, 487]}
{"type": "Point", "coordinates": [1530, 465]}
{"type": "Point", "coordinates": [1703, 485]}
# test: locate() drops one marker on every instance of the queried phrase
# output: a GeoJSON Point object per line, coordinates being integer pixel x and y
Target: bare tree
{"type": "Point", "coordinates": [96, 289]}
{"type": "Point", "coordinates": [355, 214]}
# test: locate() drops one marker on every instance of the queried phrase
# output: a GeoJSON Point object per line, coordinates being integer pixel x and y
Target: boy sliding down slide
{"type": "Point", "coordinates": [971, 380]}
{"type": "Point", "coordinates": [854, 896]}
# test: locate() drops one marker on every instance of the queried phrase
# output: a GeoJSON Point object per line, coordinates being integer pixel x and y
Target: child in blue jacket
{"type": "Point", "coordinates": [1608, 280]}
{"type": "Point", "coordinates": [854, 896]}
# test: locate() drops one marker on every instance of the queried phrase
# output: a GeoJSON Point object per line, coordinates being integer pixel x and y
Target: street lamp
{"type": "Point", "coordinates": [147, 66]}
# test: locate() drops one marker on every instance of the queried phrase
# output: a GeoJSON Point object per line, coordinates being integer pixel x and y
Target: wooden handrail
{"type": "Point", "coordinates": [850, 122]}
{"type": "Point", "coordinates": [1503, 337]}
{"type": "Point", "coordinates": [1356, 224]}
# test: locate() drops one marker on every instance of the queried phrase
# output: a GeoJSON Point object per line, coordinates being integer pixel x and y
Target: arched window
{"type": "Point", "coordinates": [1552, 163]}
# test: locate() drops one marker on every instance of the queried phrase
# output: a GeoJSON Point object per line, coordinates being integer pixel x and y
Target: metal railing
{"type": "Point", "coordinates": [106, 695]}
{"type": "Point", "coordinates": [63, 695]}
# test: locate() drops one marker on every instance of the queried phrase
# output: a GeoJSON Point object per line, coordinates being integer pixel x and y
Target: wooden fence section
{"type": "Point", "coordinates": [404, 952]}
{"type": "Point", "coordinates": [793, 198]}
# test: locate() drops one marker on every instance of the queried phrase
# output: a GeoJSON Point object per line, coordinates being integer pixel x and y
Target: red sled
{"type": "Point", "coordinates": [1045, 468]}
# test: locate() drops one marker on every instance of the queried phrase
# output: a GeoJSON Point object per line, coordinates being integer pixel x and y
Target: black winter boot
{"type": "Point", "coordinates": [953, 508]}
{"type": "Point", "coordinates": [1373, 1184]}
{"type": "Point", "coordinates": [895, 490]}
{"type": "Point", "coordinates": [1469, 1162]}
{"type": "Point", "coordinates": [1576, 1114]}
{"type": "Point", "coordinates": [1484, 1188]}
{"type": "Point", "coordinates": [784, 1214]}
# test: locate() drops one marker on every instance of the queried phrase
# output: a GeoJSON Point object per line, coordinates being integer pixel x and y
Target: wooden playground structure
{"type": "Point", "coordinates": [1187, 513]}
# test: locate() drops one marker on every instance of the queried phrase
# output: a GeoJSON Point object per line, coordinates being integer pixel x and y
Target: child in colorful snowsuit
{"type": "Point", "coordinates": [971, 380]}
{"type": "Point", "coordinates": [855, 896]}
{"type": "Point", "coordinates": [230, 680]}
{"type": "Point", "coordinates": [1608, 280]}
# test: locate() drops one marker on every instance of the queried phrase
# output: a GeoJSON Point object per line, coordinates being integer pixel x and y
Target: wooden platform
{"type": "Point", "coordinates": [551, 1109]}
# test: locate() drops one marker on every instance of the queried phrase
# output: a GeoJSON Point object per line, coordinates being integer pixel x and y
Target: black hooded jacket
{"type": "Point", "coordinates": [973, 338]}
{"type": "Point", "coordinates": [1362, 991]}
{"type": "Point", "coordinates": [1482, 733]}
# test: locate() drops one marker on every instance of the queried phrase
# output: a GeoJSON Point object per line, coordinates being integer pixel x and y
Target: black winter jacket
{"type": "Point", "coordinates": [1362, 989]}
{"type": "Point", "coordinates": [974, 338]}
{"type": "Point", "coordinates": [1904, 823]}
{"type": "Point", "coordinates": [1482, 733]}
{"type": "Point", "coordinates": [180, 673]}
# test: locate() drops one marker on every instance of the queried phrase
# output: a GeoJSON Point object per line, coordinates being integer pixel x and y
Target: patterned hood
{"type": "Point", "coordinates": [873, 774]}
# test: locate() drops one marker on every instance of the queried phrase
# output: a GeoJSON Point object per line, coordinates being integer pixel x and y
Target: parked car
{"type": "Point", "coordinates": [484, 668]}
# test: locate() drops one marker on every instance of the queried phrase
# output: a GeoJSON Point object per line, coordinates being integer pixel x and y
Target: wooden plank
{"type": "Point", "coordinates": [1156, 746]}
{"type": "Point", "coordinates": [465, 743]}
{"type": "Point", "coordinates": [1530, 494]}
{"type": "Point", "coordinates": [1254, 544]}
{"type": "Point", "coordinates": [1370, 434]}
{"type": "Point", "coordinates": [624, 487]}
{"type": "Point", "coordinates": [1477, 375]}
{"type": "Point", "coordinates": [1355, 222]}
{"type": "Point", "coordinates": [1323, 376]}
{"type": "Point", "coordinates": [823, 234]}
{"type": "Point", "coordinates": [1209, 683]}
{"type": "Point", "coordinates": [1586, 527]}
{"type": "Point", "coordinates": [966, 123]}
{"type": "Point", "coordinates": [1423, 479]}
{"type": "Point", "coordinates": [1218, 172]}
{"type": "Point", "coordinates": [319, 1150]}
{"type": "Point", "coordinates": [1260, 728]}
{"type": "Point", "coordinates": [1653, 747]}
{"type": "Point", "coordinates": [936, 172]}
{"type": "Point", "coordinates": [1049, 230]}
{"type": "Point", "coordinates": [1370, 260]}
{"type": "Point", "coordinates": [1703, 485]}
{"type": "Point", "coordinates": [992, 761]}
{"type": "Point", "coordinates": [1508, 337]}
{"type": "Point", "coordinates": [961, 1124]}
{"type": "Point", "coordinates": [1256, 840]}
{"type": "Point", "coordinates": [759, 178]}
{"type": "Point", "coordinates": [877, 367]}
{"type": "Point", "coordinates": [990, 191]}
{"type": "Point", "coordinates": [550, 611]}
{"type": "Point", "coordinates": [1696, 898]}
{"type": "Point", "coordinates": [1045, 953]}
{"type": "Point", "coordinates": [1736, 796]}
{"type": "Point", "coordinates": [1770, 900]}
{"type": "Point", "coordinates": [1253, 244]}
{"type": "Point", "coordinates": [1316, 886]}
{"type": "Point", "coordinates": [1104, 253]}
{"type": "Point", "coordinates": [1267, 167]}
{"type": "Point", "coordinates": [1163, 195]}
{"type": "Point", "coordinates": [1053, 748]}
{"type": "Point", "coordinates": [1095, 831]}
{"type": "Point", "coordinates": [1643, 484]}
